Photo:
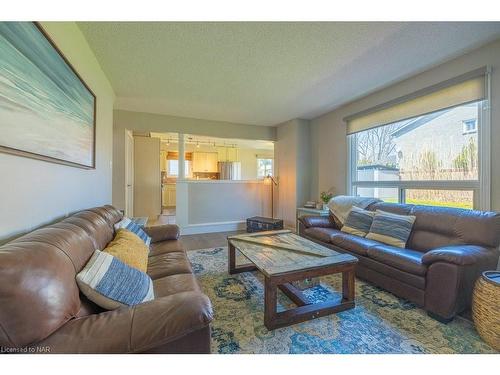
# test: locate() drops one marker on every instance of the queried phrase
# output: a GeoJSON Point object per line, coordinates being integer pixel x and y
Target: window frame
{"type": "Point", "coordinates": [481, 187]}
{"type": "Point", "coordinates": [465, 124]}
{"type": "Point", "coordinates": [187, 164]}
{"type": "Point", "coordinates": [257, 167]}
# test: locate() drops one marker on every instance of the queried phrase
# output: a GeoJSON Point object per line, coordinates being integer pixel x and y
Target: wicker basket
{"type": "Point", "coordinates": [486, 307]}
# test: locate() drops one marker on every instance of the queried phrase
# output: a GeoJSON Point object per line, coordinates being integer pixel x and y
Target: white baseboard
{"type": "Point", "coordinates": [225, 226]}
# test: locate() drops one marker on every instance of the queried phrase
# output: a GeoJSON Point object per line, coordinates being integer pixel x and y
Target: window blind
{"type": "Point", "coordinates": [466, 88]}
{"type": "Point", "coordinates": [174, 155]}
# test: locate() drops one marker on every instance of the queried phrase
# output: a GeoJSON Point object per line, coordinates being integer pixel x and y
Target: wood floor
{"type": "Point", "coordinates": [206, 240]}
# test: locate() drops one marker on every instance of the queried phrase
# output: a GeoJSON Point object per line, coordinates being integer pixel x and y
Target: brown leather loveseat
{"type": "Point", "coordinates": [42, 310]}
{"type": "Point", "coordinates": [446, 252]}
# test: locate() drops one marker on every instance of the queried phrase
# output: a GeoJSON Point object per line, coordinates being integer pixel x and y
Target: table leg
{"type": "Point", "coordinates": [348, 288]}
{"type": "Point", "coordinates": [231, 264]}
{"type": "Point", "coordinates": [231, 258]}
{"type": "Point", "coordinates": [270, 303]}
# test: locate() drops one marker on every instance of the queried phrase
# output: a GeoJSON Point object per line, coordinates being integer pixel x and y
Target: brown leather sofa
{"type": "Point", "coordinates": [42, 310]}
{"type": "Point", "coordinates": [446, 252]}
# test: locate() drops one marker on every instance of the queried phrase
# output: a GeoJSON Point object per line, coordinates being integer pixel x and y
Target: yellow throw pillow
{"type": "Point", "coordinates": [130, 249]}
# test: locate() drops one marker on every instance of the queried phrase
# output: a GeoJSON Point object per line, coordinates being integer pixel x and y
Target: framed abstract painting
{"type": "Point", "coordinates": [47, 111]}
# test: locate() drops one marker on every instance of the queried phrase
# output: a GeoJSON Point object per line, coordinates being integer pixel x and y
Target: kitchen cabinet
{"type": "Point", "coordinates": [232, 154]}
{"type": "Point", "coordinates": [168, 195]}
{"type": "Point", "coordinates": [163, 161]}
{"type": "Point", "coordinates": [205, 162]}
{"type": "Point", "coordinates": [228, 154]}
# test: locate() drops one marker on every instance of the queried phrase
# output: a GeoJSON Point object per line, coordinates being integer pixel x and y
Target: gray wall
{"type": "Point", "coordinates": [328, 132]}
{"type": "Point", "coordinates": [292, 168]}
{"type": "Point", "coordinates": [35, 192]}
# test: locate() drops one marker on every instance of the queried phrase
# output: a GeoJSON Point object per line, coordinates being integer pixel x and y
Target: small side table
{"type": "Point", "coordinates": [486, 307]}
{"type": "Point", "coordinates": [303, 211]}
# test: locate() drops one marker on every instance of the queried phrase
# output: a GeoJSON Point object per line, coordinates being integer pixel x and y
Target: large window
{"type": "Point", "coordinates": [173, 168]}
{"type": "Point", "coordinates": [432, 159]}
{"type": "Point", "coordinates": [264, 167]}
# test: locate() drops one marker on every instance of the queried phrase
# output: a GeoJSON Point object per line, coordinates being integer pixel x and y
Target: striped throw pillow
{"type": "Point", "coordinates": [129, 225]}
{"type": "Point", "coordinates": [391, 229]}
{"type": "Point", "coordinates": [358, 222]}
{"type": "Point", "coordinates": [111, 284]}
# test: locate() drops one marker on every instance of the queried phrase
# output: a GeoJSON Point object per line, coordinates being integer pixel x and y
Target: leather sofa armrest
{"type": "Point", "coordinates": [133, 329]}
{"type": "Point", "coordinates": [461, 255]}
{"type": "Point", "coordinates": [317, 221]}
{"type": "Point", "coordinates": [162, 232]}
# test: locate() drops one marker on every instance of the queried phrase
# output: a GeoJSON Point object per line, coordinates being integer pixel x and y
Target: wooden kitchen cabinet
{"type": "Point", "coordinates": [228, 154]}
{"type": "Point", "coordinates": [205, 162]}
{"type": "Point", "coordinates": [163, 161]}
{"type": "Point", "coordinates": [232, 154]}
{"type": "Point", "coordinates": [169, 195]}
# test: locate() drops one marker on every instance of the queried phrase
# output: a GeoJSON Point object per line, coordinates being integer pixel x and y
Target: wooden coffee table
{"type": "Point", "coordinates": [283, 257]}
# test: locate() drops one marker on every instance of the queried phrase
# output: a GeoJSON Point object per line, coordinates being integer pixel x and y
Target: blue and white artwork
{"type": "Point", "coordinates": [46, 110]}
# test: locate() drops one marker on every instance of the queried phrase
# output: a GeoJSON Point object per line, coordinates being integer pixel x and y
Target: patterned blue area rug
{"type": "Point", "coordinates": [380, 322]}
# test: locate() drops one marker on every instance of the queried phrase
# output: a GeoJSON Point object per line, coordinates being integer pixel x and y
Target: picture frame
{"type": "Point", "coordinates": [48, 112]}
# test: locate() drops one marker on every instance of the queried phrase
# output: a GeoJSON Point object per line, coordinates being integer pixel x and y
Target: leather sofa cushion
{"type": "Point", "coordinates": [38, 292]}
{"type": "Point", "coordinates": [133, 329]}
{"type": "Point", "coordinates": [320, 233]}
{"type": "Point", "coordinates": [172, 284]}
{"type": "Point", "coordinates": [68, 238]}
{"type": "Point", "coordinates": [168, 264]}
{"type": "Point", "coordinates": [352, 243]}
{"type": "Point", "coordinates": [164, 247]}
{"type": "Point", "coordinates": [417, 281]}
{"type": "Point", "coordinates": [95, 226]}
{"type": "Point", "coordinates": [108, 213]}
{"type": "Point", "coordinates": [404, 259]}
{"type": "Point", "coordinates": [163, 232]}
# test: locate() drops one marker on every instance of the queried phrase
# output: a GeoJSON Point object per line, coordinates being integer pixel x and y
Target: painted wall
{"type": "Point", "coordinates": [292, 168]}
{"type": "Point", "coordinates": [215, 202]}
{"type": "Point", "coordinates": [34, 192]}
{"type": "Point", "coordinates": [328, 132]}
{"type": "Point", "coordinates": [148, 122]}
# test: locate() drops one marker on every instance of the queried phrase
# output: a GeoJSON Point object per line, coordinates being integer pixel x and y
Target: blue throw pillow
{"type": "Point", "coordinates": [131, 226]}
{"type": "Point", "coordinates": [111, 284]}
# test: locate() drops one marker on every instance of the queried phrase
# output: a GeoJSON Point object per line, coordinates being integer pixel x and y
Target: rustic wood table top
{"type": "Point", "coordinates": [279, 252]}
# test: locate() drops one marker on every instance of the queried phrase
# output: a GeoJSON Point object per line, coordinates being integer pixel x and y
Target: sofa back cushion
{"type": "Point", "coordinates": [38, 290]}
{"type": "Point", "coordinates": [442, 226]}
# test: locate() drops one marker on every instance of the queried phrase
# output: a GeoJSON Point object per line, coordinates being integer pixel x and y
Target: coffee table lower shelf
{"type": "Point", "coordinates": [304, 310]}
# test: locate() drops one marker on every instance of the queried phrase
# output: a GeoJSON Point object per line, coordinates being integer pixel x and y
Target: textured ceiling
{"type": "Point", "coordinates": [267, 73]}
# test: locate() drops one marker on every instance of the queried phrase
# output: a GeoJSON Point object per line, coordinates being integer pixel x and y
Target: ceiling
{"type": "Point", "coordinates": [265, 73]}
{"type": "Point", "coordinates": [219, 142]}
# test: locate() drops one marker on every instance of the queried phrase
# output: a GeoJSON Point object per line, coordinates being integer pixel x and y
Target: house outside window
{"type": "Point", "coordinates": [264, 167]}
{"type": "Point", "coordinates": [469, 126]}
{"type": "Point", "coordinates": [431, 159]}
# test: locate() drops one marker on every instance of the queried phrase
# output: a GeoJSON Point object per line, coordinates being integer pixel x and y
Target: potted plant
{"type": "Point", "coordinates": [325, 197]}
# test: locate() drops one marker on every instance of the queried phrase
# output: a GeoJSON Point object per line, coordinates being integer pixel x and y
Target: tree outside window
{"type": "Point", "coordinates": [264, 167]}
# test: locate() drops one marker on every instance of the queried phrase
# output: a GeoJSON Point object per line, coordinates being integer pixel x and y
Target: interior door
{"type": "Point", "coordinates": [129, 173]}
{"type": "Point", "coordinates": [147, 178]}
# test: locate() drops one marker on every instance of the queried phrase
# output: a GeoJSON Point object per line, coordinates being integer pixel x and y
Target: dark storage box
{"type": "Point", "coordinates": [259, 224]}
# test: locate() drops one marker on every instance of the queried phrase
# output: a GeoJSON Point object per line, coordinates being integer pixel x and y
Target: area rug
{"type": "Point", "coordinates": [380, 322]}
